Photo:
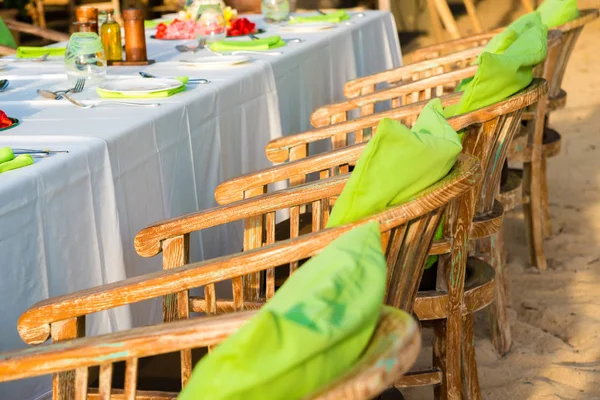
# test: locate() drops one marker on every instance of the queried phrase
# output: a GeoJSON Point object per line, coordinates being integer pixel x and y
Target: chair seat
{"type": "Point", "coordinates": [511, 193]}
{"type": "Point", "coordinates": [557, 102]}
{"type": "Point", "coordinates": [479, 293]}
{"type": "Point", "coordinates": [521, 152]}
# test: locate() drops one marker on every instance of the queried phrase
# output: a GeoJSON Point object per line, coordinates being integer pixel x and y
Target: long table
{"type": "Point", "coordinates": [68, 222]}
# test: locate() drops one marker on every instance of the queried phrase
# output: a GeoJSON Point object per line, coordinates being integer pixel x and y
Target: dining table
{"type": "Point", "coordinates": [68, 221]}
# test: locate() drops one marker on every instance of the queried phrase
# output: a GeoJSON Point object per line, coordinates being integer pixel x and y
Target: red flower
{"type": "Point", "coordinates": [241, 26]}
{"type": "Point", "coordinates": [5, 122]}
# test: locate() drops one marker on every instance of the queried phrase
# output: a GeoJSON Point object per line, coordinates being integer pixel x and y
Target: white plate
{"type": "Point", "coordinates": [216, 61]}
{"type": "Point", "coordinates": [312, 27]}
{"type": "Point", "coordinates": [140, 85]}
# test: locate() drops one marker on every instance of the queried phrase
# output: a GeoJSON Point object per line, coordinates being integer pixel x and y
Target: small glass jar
{"type": "Point", "coordinates": [275, 10]}
{"type": "Point", "coordinates": [211, 25]}
{"type": "Point", "coordinates": [110, 33]}
{"type": "Point", "coordinates": [84, 58]}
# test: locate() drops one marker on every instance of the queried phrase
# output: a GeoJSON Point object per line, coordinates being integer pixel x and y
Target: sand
{"type": "Point", "coordinates": [555, 315]}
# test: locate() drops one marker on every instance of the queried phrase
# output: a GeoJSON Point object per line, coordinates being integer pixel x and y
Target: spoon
{"type": "Point", "coordinates": [3, 85]}
{"type": "Point", "coordinates": [196, 80]}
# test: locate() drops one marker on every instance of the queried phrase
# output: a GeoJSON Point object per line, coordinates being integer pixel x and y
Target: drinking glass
{"type": "Point", "coordinates": [275, 10]}
{"type": "Point", "coordinates": [211, 24]}
{"type": "Point", "coordinates": [84, 58]}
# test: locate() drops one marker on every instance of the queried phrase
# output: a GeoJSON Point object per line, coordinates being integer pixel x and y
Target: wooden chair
{"type": "Point", "coordinates": [407, 233]}
{"type": "Point", "coordinates": [392, 350]}
{"type": "Point", "coordinates": [22, 27]}
{"type": "Point", "coordinates": [37, 8]}
{"type": "Point", "coordinates": [487, 133]}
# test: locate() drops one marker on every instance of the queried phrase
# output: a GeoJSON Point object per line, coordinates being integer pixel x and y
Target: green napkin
{"type": "Point", "coordinates": [6, 37]}
{"type": "Point", "coordinates": [149, 24]}
{"type": "Point", "coordinates": [18, 162]}
{"type": "Point", "coordinates": [311, 332]}
{"type": "Point", "coordinates": [397, 164]}
{"type": "Point", "coordinates": [154, 95]}
{"type": "Point", "coordinates": [502, 75]}
{"type": "Point", "coordinates": [6, 154]}
{"type": "Point", "coordinates": [557, 12]}
{"type": "Point", "coordinates": [332, 17]}
{"type": "Point", "coordinates": [33, 52]}
{"type": "Point", "coordinates": [268, 43]}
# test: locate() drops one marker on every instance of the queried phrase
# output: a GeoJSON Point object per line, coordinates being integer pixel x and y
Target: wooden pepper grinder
{"type": "Point", "coordinates": [89, 15]}
{"type": "Point", "coordinates": [135, 39]}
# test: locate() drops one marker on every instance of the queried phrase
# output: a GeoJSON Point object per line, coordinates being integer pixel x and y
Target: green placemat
{"type": "Point", "coordinates": [33, 52]}
{"type": "Point", "coordinates": [154, 95]}
{"type": "Point", "coordinates": [332, 17]}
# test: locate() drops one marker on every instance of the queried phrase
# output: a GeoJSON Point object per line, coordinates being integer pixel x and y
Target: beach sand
{"type": "Point", "coordinates": [555, 314]}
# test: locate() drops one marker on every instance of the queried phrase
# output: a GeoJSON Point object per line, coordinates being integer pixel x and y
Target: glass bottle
{"type": "Point", "coordinates": [110, 32]}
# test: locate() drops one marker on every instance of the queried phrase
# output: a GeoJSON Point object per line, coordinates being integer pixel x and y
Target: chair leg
{"type": "Point", "coordinates": [469, 365]}
{"type": "Point", "coordinates": [440, 358]}
{"type": "Point", "coordinates": [473, 15]}
{"type": "Point", "coordinates": [546, 224]}
{"type": "Point", "coordinates": [498, 310]}
{"type": "Point", "coordinates": [434, 19]}
{"type": "Point", "coordinates": [533, 213]}
{"type": "Point", "coordinates": [446, 15]}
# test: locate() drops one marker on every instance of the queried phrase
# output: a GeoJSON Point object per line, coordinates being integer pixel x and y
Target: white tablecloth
{"type": "Point", "coordinates": [68, 222]}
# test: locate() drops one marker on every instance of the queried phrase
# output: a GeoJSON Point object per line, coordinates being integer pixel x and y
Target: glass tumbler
{"type": "Point", "coordinates": [85, 59]}
{"type": "Point", "coordinates": [275, 10]}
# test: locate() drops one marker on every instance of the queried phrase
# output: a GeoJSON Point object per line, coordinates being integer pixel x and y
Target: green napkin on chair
{"type": "Point", "coordinates": [502, 75]}
{"type": "Point", "coordinates": [267, 43]}
{"type": "Point", "coordinates": [332, 17]}
{"type": "Point", "coordinates": [6, 37]}
{"type": "Point", "coordinates": [557, 12]}
{"type": "Point", "coordinates": [33, 52]}
{"type": "Point", "coordinates": [154, 95]}
{"type": "Point", "coordinates": [311, 332]}
{"type": "Point", "coordinates": [8, 161]}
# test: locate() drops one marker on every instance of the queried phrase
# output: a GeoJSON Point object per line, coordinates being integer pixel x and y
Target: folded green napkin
{"type": "Point", "coordinates": [504, 74]}
{"type": "Point", "coordinates": [149, 24]}
{"type": "Point", "coordinates": [33, 52]}
{"type": "Point", "coordinates": [310, 333]}
{"type": "Point", "coordinates": [6, 154]}
{"type": "Point", "coordinates": [557, 12]}
{"type": "Point", "coordinates": [154, 95]}
{"type": "Point", "coordinates": [18, 162]}
{"type": "Point", "coordinates": [332, 17]}
{"type": "Point", "coordinates": [268, 43]}
{"type": "Point", "coordinates": [6, 37]}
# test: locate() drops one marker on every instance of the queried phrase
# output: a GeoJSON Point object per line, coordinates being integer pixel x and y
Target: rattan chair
{"type": "Point", "coordinates": [407, 233]}
{"type": "Point", "coordinates": [487, 132]}
{"type": "Point", "coordinates": [392, 350]}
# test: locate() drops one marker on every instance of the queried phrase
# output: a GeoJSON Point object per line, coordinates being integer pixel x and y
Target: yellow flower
{"type": "Point", "coordinates": [229, 14]}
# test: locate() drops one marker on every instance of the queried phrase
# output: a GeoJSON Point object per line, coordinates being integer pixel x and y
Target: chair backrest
{"type": "Point", "coordinates": [407, 233]}
{"type": "Point", "coordinates": [32, 30]}
{"type": "Point", "coordinates": [391, 352]}
{"type": "Point", "coordinates": [571, 31]}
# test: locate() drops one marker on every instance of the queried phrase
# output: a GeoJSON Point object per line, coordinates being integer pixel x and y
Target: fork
{"type": "Point", "coordinates": [78, 88]}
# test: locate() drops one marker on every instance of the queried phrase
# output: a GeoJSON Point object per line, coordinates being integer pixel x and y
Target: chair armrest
{"type": "Point", "coordinates": [148, 241]}
{"type": "Point", "coordinates": [354, 87]}
{"type": "Point", "coordinates": [7, 51]}
{"type": "Point", "coordinates": [120, 346]}
{"type": "Point", "coordinates": [323, 116]}
{"type": "Point", "coordinates": [277, 150]}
